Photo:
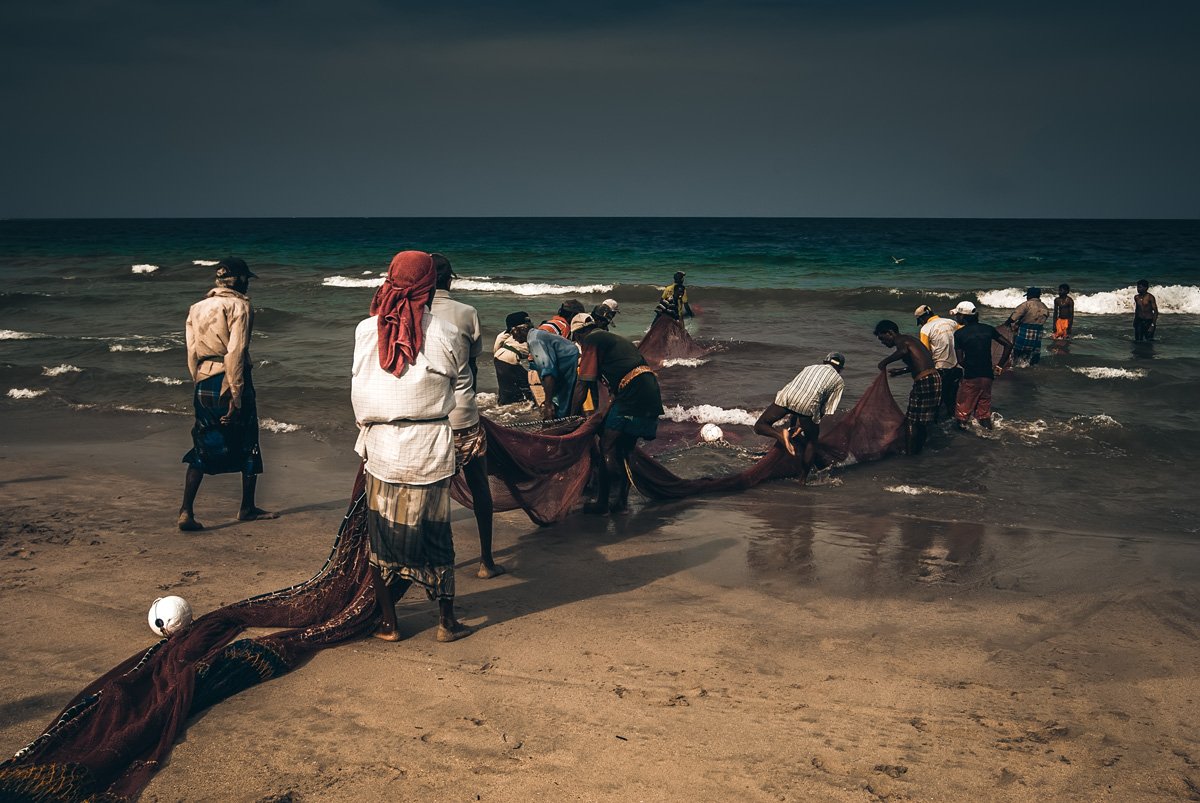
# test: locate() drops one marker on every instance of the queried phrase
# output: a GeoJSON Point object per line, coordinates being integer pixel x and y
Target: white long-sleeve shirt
{"type": "Point", "coordinates": [404, 427]}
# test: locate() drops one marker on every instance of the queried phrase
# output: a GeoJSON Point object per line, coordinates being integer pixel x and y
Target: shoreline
{"type": "Point", "coordinates": [791, 647]}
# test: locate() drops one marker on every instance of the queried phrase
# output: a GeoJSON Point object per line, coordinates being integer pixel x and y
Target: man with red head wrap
{"type": "Point", "coordinates": [407, 366]}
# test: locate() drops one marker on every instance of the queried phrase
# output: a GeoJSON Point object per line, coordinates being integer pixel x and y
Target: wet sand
{"type": "Point", "coordinates": [798, 649]}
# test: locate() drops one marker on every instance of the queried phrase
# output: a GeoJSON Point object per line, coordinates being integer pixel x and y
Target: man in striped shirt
{"type": "Point", "coordinates": [813, 394]}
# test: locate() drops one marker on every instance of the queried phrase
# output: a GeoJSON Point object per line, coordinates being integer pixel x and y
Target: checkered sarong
{"type": "Point", "coordinates": [409, 528]}
{"type": "Point", "coordinates": [924, 399]}
{"type": "Point", "coordinates": [1029, 337]}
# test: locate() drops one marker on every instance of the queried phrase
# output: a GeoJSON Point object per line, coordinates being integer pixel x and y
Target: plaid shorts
{"type": "Point", "coordinates": [924, 399]}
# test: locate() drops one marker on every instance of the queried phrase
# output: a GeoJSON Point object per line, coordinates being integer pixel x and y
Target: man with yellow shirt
{"type": "Point", "coordinates": [937, 335]}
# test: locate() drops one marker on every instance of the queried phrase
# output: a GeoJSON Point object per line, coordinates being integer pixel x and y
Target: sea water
{"type": "Point", "coordinates": [1100, 437]}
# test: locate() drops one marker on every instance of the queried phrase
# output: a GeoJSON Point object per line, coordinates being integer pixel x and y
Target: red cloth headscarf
{"type": "Point", "coordinates": [400, 302]}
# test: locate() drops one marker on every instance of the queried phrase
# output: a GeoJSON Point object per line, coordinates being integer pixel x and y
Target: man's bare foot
{"type": "Point", "coordinates": [256, 514]}
{"type": "Point", "coordinates": [454, 632]}
{"type": "Point", "coordinates": [489, 570]}
{"type": "Point", "coordinates": [385, 633]}
{"type": "Point", "coordinates": [596, 509]}
{"type": "Point", "coordinates": [188, 523]}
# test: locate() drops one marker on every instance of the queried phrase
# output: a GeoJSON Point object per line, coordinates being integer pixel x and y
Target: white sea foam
{"type": "Point", "coordinates": [164, 380]}
{"type": "Point", "coordinates": [1172, 299]}
{"type": "Point", "coordinates": [530, 288]}
{"type": "Point", "coordinates": [142, 349]}
{"type": "Point", "coordinates": [59, 370]}
{"type": "Point", "coordinates": [278, 426]}
{"type": "Point", "coordinates": [10, 334]}
{"type": "Point", "coordinates": [485, 399]}
{"type": "Point", "coordinates": [25, 393]}
{"type": "Point", "coordinates": [128, 408]}
{"type": "Point", "coordinates": [921, 490]}
{"type": "Point", "coordinates": [367, 272]}
{"type": "Point", "coordinates": [711, 414]}
{"type": "Point", "coordinates": [208, 263]}
{"type": "Point", "coordinates": [346, 281]}
{"type": "Point", "coordinates": [145, 268]}
{"type": "Point", "coordinates": [1111, 373]}
{"type": "Point", "coordinates": [686, 362]}
{"type": "Point", "coordinates": [1101, 421]}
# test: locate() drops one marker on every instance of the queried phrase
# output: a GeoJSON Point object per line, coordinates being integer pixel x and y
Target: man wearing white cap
{"type": "Point", "coordinates": [814, 392]}
{"type": "Point", "coordinates": [937, 335]}
{"type": "Point", "coordinates": [973, 345]}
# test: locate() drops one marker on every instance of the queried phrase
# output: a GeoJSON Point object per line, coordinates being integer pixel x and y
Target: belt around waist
{"type": "Point", "coordinates": [411, 421]}
{"type": "Point", "coordinates": [218, 358]}
{"type": "Point", "coordinates": [925, 373]}
{"type": "Point", "coordinates": [632, 375]}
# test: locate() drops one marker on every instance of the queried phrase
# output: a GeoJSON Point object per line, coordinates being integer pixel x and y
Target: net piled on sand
{"type": "Point", "coordinates": [112, 738]}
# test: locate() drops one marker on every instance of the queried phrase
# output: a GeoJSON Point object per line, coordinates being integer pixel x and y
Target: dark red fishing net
{"type": "Point", "coordinates": [114, 735]}
{"type": "Point", "coordinates": [111, 739]}
{"type": "Point", "coordinates": [669, 340]}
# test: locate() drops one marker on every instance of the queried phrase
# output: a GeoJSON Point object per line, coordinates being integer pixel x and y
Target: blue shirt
{"type": "Point", "coordinates": [555, 356]}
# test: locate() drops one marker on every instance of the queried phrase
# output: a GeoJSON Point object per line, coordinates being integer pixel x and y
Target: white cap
{"type": "Point", "coordinates": [963, 308]}
{"type": "Point", "coordinates": [581, 320]}
{"type": "Point", "coordinates": [612, 304]}
{"type": "Point", "coordinates": [924, 309]}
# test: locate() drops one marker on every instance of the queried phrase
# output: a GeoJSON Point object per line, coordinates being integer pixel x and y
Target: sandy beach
{"type": "Point", "coordinates": [724, 646]}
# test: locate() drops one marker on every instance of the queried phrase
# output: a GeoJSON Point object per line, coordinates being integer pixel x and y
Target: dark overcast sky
{"type": "Point", "coordinates": [819, 108]}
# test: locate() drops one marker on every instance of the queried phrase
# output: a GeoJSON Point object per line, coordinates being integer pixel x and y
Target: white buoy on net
{"type": "Point", "coordinates": [711, 433]}
{"type": "Point", "coordinates": [169, 615]}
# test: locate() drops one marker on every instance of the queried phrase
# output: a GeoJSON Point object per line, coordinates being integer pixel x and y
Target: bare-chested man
{"type": "Point", "coordinates": [1064, 312]}
{"type": "Point", "coordinates": [926, 393]}
{"type": "Point", "coordinates": [1145, 312]}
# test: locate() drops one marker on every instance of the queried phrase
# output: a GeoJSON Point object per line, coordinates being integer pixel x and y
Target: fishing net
{"type": "Point", "coordinates": [112, 738]}
{"type": "Point", "coordinates": [668, 339]}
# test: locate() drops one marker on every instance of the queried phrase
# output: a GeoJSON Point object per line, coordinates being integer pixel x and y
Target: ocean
{"type": "Point", "coordinates": [1098, 439]}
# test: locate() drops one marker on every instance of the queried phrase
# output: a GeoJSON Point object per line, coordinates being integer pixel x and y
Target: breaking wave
{"type": "Point", "coordinates": [1111, 373]}
{"type": "Point", "coordinates": [1172, 299]}
{"type": "Point", "coordinates": [10, 334]}
{"type": "Point", "coordinates": [686, 362]}
{"type": "Point", "coordinates": [208, 263]}
{"type": "Point", "coordinates": [922, 490]}
{"type": "Point", "coordinates": [485, 285]}
{"type": "Point", "coordinates": [116, 347]}
{"type": "Point", "coordinates": [144, 268]}
{"type": "Point", "coordinates": [277, 426]}
{"type": "Point", "coordinates": [710, 414]}
{"type": "Point", "coordinates": [346, 281]}
{"type": "Point", "coordinates": [25, 393]}
{"type": "Point", "coordinates": [164, 380]}
{"type": "Point", "coordinates": [59, 370]}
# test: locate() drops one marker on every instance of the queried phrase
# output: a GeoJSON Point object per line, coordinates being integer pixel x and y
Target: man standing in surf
{"type": "Point", "coordinates": [674, 301]}
{"type": "Point", "coordinates": [926, 394]}
{"type": "Point", "coordinates": [1145, 313]}
{"type": "Point", "coordinates": [225, 434]}
{"type": "Point", "coordinates": [1027, 321]}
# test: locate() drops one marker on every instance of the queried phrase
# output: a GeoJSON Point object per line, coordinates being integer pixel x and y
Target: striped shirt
{"type": "Point", "coordinates": [815, 392]}
{"type": "Point", "coordinates": [404, 430]}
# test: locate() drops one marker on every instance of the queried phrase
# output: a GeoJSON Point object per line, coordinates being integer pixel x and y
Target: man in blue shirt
{"type": "Point", "coordinates": [556, 361]}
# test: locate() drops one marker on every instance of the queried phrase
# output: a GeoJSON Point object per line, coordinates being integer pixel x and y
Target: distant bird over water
{"type": "Point", "coordinates": [897, 260]}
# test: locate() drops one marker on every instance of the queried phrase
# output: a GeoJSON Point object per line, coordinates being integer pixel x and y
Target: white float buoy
{"type": "Point", "coordinates": [169, 615]}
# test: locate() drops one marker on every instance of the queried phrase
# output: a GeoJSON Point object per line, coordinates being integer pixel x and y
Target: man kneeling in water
{"type": "Point", "coordinates": [815, 392]}
{"type": "Point", "coordinates": [636, 405]}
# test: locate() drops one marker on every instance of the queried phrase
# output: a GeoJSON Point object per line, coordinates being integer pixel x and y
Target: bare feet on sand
{"type": "Point", "coordinates": [454, 632]}
{"type": "Point", "coordinates": [256, 514]}
{"type": "Point", "coordinates": [188, 523]}
{"type": "Point", "coordinates": [385, 633]}
{"type": "Point", "coordinates": [489, 570]}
